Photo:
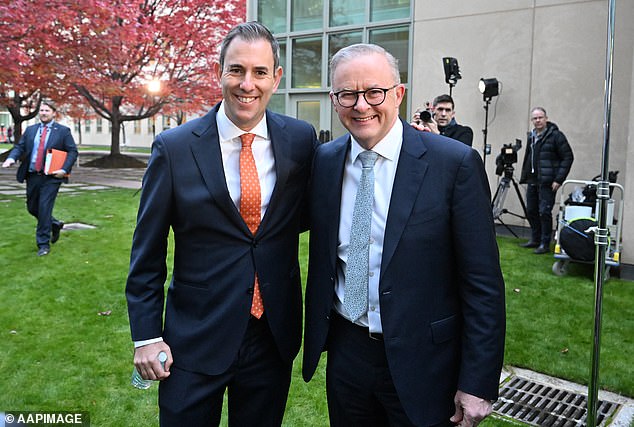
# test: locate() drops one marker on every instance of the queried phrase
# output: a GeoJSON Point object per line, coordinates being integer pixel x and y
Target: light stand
{"type": "Point", "coordinates": [488, 88]}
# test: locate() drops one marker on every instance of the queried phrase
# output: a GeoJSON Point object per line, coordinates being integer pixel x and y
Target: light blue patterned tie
{"type": "Point", "coordinates": [355, 299]}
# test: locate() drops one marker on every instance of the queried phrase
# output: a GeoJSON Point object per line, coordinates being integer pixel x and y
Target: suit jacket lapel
{"type": "Point", "coordinates": [335, 163]}
{"type": "Point", "coordinates": [280, 143]}
{"type": "Point", "coordinates": [205, 146]}
{"type": "Point", "coordinates": [410, 172]}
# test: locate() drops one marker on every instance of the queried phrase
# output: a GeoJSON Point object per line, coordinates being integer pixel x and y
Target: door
{"type": "Point", "coordinates": [316, 110]}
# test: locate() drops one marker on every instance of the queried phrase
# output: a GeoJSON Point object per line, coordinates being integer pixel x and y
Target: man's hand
{"type": "Point", "coordinates": [147, 363]}
{"type": "Point", "coordinates": [7, 163]}
{"type": "Point", "coordinates": [470, 410]}
{"type": "Point", "coordinates": [555, 186]}
{"type": "Point", "coordinates": [59, 173]}
{"type": "Point", "coordinates": [432, 126]}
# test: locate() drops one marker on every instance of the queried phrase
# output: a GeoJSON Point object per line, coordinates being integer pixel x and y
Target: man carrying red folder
{"type": "Point", "coordinates": [42, 187]}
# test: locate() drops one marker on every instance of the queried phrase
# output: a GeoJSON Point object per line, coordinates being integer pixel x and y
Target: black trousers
{"type": "Point", "coordinates": [540, 199]}
{"type": "Point", "coordinates": [359, 385]}
{"type": "Point", "coordinates": [257, 385]}
{"type": "Point", "coordinates": [41, 192]}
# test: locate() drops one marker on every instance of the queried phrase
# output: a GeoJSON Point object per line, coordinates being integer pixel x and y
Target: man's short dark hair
{"type": "Point", "coordinates": [443, 98]}
{"type": "Point", "coordinates": [49, 104]}
{"type": "Point", "coordinates": [250, 32]}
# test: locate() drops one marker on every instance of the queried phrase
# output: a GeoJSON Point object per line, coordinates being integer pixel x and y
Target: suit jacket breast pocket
{"type": "Point", "coordinates": [427, 215]}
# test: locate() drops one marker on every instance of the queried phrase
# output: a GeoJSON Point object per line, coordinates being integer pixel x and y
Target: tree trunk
{"type": "Point", "coordinates": [115, 146]}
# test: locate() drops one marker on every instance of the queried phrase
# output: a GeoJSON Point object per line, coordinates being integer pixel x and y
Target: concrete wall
{"type": "Point", "coordinates": [548, 53]}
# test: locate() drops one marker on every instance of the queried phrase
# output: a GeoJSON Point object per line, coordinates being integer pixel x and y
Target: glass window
{"type": "Point", "coordinates": [99, 125]}
{"type": "Point", "coordinates": [277, 103]}
{"type": "Point", "coordinates": [137, 126]}
{"type": "Point", "coordinates": [309, 111]}
{"type": "Point", "coordinates": [306, 67]}
{"type": "Point", "coordinates": [337, 128]}
{"type": "Point", "coordinates": [394, 40]}
{"type": "Point", "coordinates": [283, 63]}
{"type": "Point", "coordinates": [347, 12]}
{"type": "Point", "coordinates": [382, 10]}
{"type": "Point", "coordinates": [87, 124]}
{"type": "Point", "coordinates": [166, 122]}
{"type": "Point", "coordinates": [307, 15]}
{"type": "Point", "coordinates": [338, 41]}
{"type": "Point", "coordinates": [272, 13]}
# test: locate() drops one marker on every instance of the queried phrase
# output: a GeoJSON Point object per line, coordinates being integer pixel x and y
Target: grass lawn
{"type": "Point", "coordinates": [58, 353]}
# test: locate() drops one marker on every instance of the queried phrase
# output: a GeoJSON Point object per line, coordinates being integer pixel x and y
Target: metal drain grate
{"type": "Point", "coordinates": [546, 406]}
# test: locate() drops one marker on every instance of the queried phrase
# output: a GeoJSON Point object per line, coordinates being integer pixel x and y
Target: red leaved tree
{"type": "Point", "coordinates": [108, 52]}
{"type": "Point", "coordinates": [26, 74]}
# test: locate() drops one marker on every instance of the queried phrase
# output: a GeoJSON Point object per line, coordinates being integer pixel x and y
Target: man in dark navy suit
{"type": "Point", "coordinates": [404, 289]}
{"type": "Point", "coordinates": [41, 188]}
{"type": "Point", "coordinates": [234, 305]}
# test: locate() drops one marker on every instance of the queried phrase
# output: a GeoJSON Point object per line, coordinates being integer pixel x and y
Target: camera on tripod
{"type": "Point", "coordinates": [507, 157]}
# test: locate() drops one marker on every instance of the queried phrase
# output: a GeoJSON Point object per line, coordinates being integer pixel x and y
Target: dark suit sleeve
{"type": "Point", "coordinates": [148, 270]}
{"type": "Point", "coordinates": [481, 285]}
{"type": "Point", "coordinates": [19, 150]}
{"type": "Point", "coordinates": [71, 149]}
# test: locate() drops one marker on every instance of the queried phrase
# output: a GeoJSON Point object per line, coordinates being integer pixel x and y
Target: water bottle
{"type": "Point", "coordinates": [137, 379]}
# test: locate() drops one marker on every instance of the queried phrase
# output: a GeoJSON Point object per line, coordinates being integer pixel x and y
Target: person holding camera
{"type": "Point", "coordinates": [547, 162]}
{"type": "Point", "coordinates": [440, 119]}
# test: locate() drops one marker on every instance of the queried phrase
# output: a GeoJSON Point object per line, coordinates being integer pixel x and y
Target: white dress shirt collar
{"type": "Point", "coordinates": [227, 130]}
{"type": "Point", "coordinates": [387, 148]}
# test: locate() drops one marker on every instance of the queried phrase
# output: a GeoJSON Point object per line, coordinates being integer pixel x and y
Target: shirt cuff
{"type": "Point", "coordinates": [138, 344]}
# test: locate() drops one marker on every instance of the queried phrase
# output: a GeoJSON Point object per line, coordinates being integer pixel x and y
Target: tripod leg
{"type": "Point", "coordinates": [508, 228]}
{"type": "Point", "coordinates": [519, 196]}
{"type": "Point", "coordinates": [497, 204]}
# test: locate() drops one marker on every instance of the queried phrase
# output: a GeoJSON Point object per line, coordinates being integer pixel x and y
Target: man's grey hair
{"type": "Point", "coordinates": [542, 109]}
{"type": "Point", "coordinates": [360, 49]}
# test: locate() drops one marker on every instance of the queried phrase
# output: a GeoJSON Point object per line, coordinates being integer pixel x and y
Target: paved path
{"type": "Point", "coordinates": [82, 179]}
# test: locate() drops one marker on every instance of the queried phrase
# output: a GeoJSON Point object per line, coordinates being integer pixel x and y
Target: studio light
{"type": "Point", "coordinates": [452, 72]}
{"type": "Point", "coordinates": [489, 87]}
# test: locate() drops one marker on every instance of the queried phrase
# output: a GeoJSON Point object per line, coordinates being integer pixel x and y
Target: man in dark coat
{"type": "Point", "coordinates": [443, 121]}
{"type": "Point", "coordinates": [547, 162]}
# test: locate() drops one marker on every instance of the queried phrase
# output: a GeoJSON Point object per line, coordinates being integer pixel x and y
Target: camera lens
{"type": "Point", "coordinates": [425, 116]}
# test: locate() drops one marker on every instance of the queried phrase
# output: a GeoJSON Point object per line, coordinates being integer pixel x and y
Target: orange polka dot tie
{"type": "Point", "coordinates": [250, 206]}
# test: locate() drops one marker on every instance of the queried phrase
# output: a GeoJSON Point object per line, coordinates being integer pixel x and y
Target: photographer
{"type": "Point", "coordinates": [546, 165]}
{"type": "Point", "coordinates": [439, 119]}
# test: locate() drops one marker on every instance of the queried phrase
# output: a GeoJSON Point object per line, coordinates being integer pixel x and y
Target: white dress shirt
{"type": "Point", "coordinates": [388, 149]}
{"type": "Point", "coordinates": [230, 146]}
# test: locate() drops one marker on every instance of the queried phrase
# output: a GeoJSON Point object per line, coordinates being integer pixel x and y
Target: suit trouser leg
{"type": "Point", "coordinates": [257, 382]}
{"type": "Point", "coordinates": [359, 385]}
{"type": "Point", "coordinates": [41, 191]}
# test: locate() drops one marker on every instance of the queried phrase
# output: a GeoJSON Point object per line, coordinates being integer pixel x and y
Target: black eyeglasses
{"type": "Point", "coordinates": [374, 96]}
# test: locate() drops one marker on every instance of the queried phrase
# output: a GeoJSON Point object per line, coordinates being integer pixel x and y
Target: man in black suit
{"type": "Point", "coordinates": [412, 312]}
{"type": "Point", "coordinates": [41, 188]}
{"type": "Point", "coordinates": [227, 263]}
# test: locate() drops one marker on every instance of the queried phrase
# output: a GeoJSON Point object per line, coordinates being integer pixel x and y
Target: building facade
{"type": "Point", "coordinates": [549, 53]}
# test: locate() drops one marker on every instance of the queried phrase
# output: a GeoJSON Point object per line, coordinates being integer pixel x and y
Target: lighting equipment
{"type": "Point", "coordinates": [452, 72]}
{"type": "Point", "coordinates": [489, 88]}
